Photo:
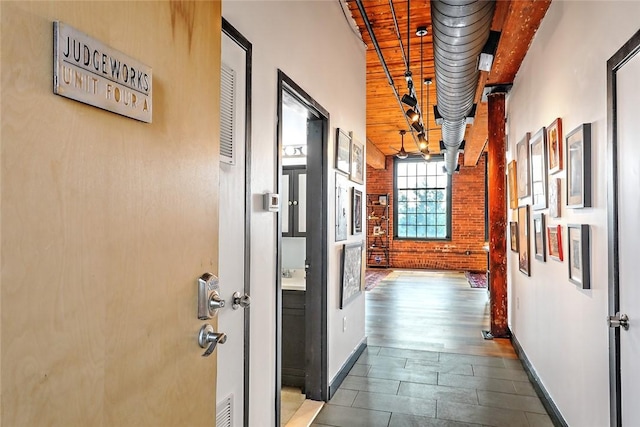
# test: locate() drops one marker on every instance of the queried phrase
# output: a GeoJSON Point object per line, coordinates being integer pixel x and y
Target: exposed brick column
{"type": "Point", "coordinates": [497, 215]}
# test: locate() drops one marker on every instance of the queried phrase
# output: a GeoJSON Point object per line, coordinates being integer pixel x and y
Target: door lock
{"type": "Point", "coordinates": [619, 320]}
{"type": "Point", "coordinates": [240, 300]}
{"type": "Point", "coordinates": [209, 301]}
{"type": "Point", "coordinates": [209, 337]}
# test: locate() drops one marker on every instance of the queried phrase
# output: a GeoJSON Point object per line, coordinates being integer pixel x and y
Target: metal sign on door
{"type": "Point", "coordinates": [91, 72]}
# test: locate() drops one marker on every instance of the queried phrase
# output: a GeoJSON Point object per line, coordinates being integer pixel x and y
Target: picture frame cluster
{"type": "Point", "coordinates": [543, 161]}
{"type": "Point", "coordinates": [349, 163]}
{"type": "Point", "coordinates": [350, 166]}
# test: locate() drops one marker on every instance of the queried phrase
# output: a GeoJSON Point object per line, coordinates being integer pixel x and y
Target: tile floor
{"type": "Point", "coordinates": [391, 387]}
{"type": "Point", "coordinates": [425, 367]}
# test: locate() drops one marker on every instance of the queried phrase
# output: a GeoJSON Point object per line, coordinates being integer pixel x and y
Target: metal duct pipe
{"type": "Point", "coordinates": [460, 30]}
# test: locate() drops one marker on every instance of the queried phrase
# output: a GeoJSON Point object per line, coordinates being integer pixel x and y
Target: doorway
{"type": "Point", "coordinates": [623, 94]}
{"type": "Point", "coordinates": [304, 125]}
{"type": "Point", "coordinates": [232, 407]}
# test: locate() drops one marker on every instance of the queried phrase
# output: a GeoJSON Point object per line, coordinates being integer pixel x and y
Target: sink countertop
{"type": "Point", "coordinates": [296, 282]}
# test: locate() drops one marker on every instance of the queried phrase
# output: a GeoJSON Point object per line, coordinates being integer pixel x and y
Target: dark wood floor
{"type": "Point", "coordinates": [435, 311]}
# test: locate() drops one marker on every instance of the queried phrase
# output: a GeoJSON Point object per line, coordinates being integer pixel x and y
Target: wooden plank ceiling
{"type": "Point", "coordinates": [517, 20]}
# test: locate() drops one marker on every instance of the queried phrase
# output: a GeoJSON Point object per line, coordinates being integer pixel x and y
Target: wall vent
{"type": "Point", "coordinates": [227, 114]}
{"type": "Point", "coordinates": [224, 412]}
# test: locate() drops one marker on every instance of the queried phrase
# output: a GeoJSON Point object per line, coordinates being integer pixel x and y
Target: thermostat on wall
{"type": "Point", "coordinates": [271, 202]}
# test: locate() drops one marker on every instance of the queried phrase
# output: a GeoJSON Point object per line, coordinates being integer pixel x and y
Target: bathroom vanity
{"type": "Point", "coordinates": [293, 328]}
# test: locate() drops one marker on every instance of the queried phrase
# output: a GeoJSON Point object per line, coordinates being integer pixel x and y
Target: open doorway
{"type": "Point", "coordinates": [301, 296]}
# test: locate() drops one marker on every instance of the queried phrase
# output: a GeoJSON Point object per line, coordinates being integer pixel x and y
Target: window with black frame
{"type": "Point", "coordinates": [422, 199]}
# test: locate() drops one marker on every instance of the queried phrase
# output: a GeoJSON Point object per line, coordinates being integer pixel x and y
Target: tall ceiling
{"type": "Point", "coordinates": [516, 20]}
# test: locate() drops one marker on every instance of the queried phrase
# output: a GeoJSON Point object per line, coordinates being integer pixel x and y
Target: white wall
{"type": "Point", "coordinates": [562, 328]}
{"type": "Point", "coordinates": [313, 44]}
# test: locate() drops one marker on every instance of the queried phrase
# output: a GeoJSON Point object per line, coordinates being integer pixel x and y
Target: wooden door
{"type": "Point", "coordinates": [108, 222]}
{"type": "Point", "coordinates": [624, 233]}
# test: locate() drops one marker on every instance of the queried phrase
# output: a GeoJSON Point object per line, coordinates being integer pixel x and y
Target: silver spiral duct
{"type": "Point", "coordinates": [460, 30]}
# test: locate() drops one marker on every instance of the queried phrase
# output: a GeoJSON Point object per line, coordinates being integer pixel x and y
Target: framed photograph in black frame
{"type": "Point", "coordinates": [538, 158]}
{"type": "Point", "coordinates": [343, 151]}
{"type": "Point", "coordinates": [356, 219]}
{"type": "Point", "coordinates": [342, 207]}
{"type": "Point", "coordinates": [351, 272]}
{"type": "Point", "coordinates": [578, 151]}
{"type": "Point", "coordinates": [539, 232]}
{"type": "Point", "coordinates": [523, 240]}
{"type": "Point", "coordinates": [579, 262]}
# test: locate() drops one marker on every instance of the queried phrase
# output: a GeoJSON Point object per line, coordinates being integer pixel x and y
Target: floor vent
{"type": "Point", "coordinates": [224, 412]}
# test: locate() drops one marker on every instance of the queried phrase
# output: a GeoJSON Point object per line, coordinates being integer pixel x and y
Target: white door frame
{"type": "Point", "coordinates": [614, 64]}
{"type": "Point", "coordinates": [243, 43]}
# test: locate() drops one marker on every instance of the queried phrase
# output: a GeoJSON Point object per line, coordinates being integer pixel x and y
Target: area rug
{"type": "Point", "coordinates": [373, 276]}
{"type": "Point", "coordinates": [476, 280]}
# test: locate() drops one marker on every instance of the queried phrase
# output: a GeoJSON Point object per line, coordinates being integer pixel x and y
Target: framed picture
{"type": "Point", "coordinates": [356, 220]}
{"type": "Point", "coordinates": [523, 239]}
{"type": "Point", "coordinates": [579, 167]}
{"type": "Point", "coordinates": [513, 229]}
{"type": "Point", "coordinates": [554, 241]}
{"type": "Point", "coordinates": [554, 146]}
{"type": "Point", "coordinates": [357, 161]}
{"type": "Point", "coordinates": [554, 197]}
{"type": "Point", "coordinates": [513, 186]}
{"type": "Point", "coordinates": [538, 153]}
{"type": "Point", "coordinates": [343, 151]}
{"type": "Point", "coordinates": [579, 264]}
{"type": "Point", "coordinates": [522, 163]}
{"type": "Point", "coordinates": [342, 207]}
{"type": "Point", "coordinates": [377, 230]}
{"type": "Point", "coordinates": [351, 272]}
{"type": "Point", "coordinates": [382, 200]}
{"type": "Point", "coordinates": [539, 232]}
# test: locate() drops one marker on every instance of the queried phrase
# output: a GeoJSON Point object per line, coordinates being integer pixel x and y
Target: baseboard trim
{"type": "Point", "coordinates": [346, 367]}
{"type": "Point", "coordinates": [545, 398]}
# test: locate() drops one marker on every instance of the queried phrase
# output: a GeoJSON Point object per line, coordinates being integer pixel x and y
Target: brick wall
{"type": "Point", "coordinates": [464, 250]}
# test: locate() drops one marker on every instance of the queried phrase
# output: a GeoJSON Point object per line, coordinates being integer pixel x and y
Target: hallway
{"type": "Point", "coordinates": [427, 364]}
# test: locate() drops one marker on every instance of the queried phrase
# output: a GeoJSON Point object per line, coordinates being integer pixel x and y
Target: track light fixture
{"type": "Point", "coordinates": [413, 116]}
{"type": "Point", "coordinates": [417, 127]}
{"type": "Point", "coordinates": [409, 100]}
{"type": "Point", "coordinates": [422, 142]}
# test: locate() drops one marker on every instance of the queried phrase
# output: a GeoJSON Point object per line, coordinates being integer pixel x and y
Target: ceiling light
{"type": "Point", "coordinates": [412, 115]}
{"type": "Point", "coordinates": [422, 142]}
{"type": "Point", "coordinates": [417, 126]}
{"type": "Point", "coordinates": [402, 154]}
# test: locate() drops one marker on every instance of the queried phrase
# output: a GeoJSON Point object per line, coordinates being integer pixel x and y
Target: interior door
{"type": "Point", "coordinates": [102, 248]}
{"type": "Point", "coordinates": [231, 356]}
{"type": "Point", "coordinates": [624, 206]}
{"type": "Point", "coordinates": [629, 236]}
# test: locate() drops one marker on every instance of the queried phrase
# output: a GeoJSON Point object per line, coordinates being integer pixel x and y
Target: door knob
{"type": "Point", "coordinates": [619, 320]}
{"type": "Point", "coordinates": [209, 337]}
{"type": "Point", "coordinates": [240, 300]}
